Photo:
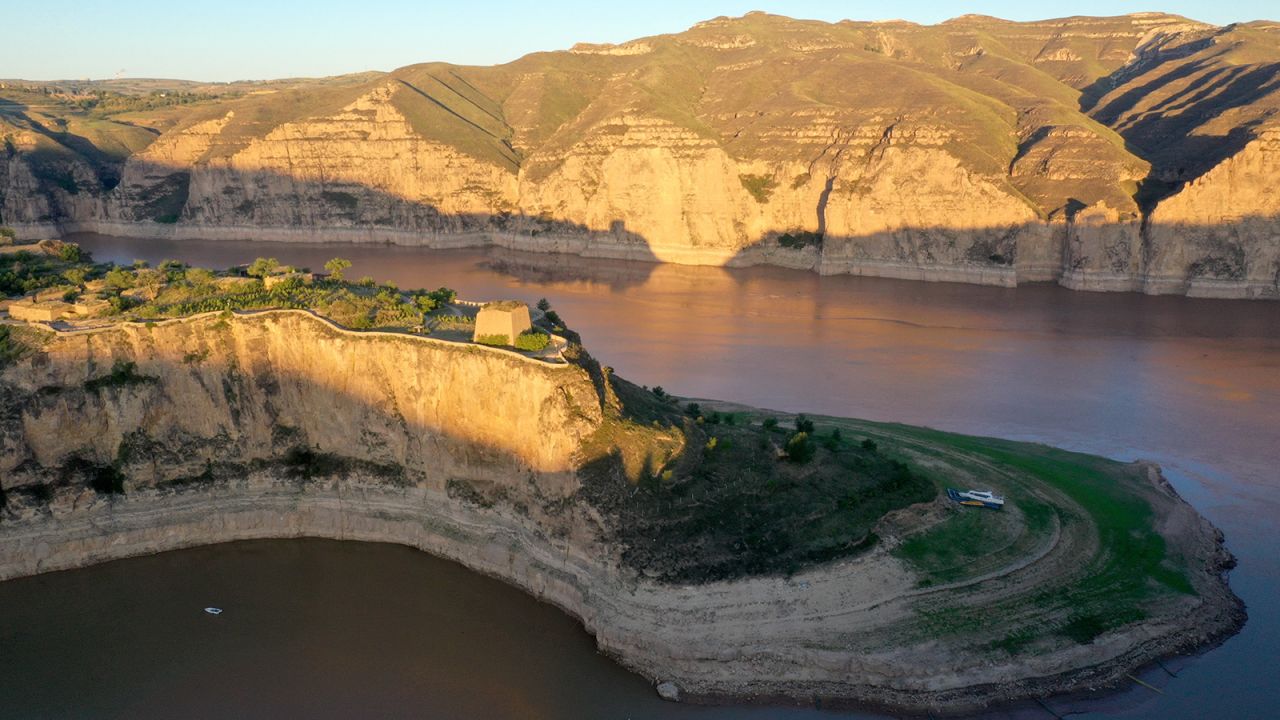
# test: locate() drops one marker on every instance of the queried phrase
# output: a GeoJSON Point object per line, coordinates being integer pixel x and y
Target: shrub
{"type": "Point", "coordinates": [263, 267]}
{"type": "Point", "coordinates": [770, 423]}
{"type": "Point", "coordinates": [76, 275]}
{"type": "Point", "coordinates": [832, 441]}
{"type": "Point", "coordinates": [336, 266]}
{"type": "Point", "coordinates": [70, 252]}
{"type": "Point", "coordinates": [107, 481]}
{"type": "Point", "coordinates": [544, 305]}
{"type": "Point", "coordinates": [800, 448]}
{"type": "Point", "coordinates": [198, 277]}
{"type": "Point", "coordinates": [495, 340]}
{"type": "Point", "coordinates": [759, 186]}
{"type": "Point", "coordinates": [534, 341]}
{"type": "Point", "coordinates": [869, 445]}
{"type": "Point", "coordinates": [693, 410]}
{"type": "Point", "coordinates": [800, 240]}
{"type": "Point", "coordinates": [11, 348]}
{"type": "Point", "coordinates": [659, 392]}
{"type": "Point", "coordinates": [425, 303]}
{"type": "Point", "coordinates": [123, 372]}
{"type": "Point", "coordinates": [804, 424]}
{"type": "Point", "coordinates": [443, 296]}
{"type": "Point", "coordinates": [117, 279]}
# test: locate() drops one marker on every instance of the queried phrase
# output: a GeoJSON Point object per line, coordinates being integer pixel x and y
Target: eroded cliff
{"type": "Point", "coordinates": [976, 150]}
{"type": "Point", "coordinates": [592, 494]}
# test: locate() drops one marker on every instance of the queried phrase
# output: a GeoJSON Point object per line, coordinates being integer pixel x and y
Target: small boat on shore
{"type": "Point", "coordinates": [213, 610]}
{"type": "Point", "coordinates": [976, 498]}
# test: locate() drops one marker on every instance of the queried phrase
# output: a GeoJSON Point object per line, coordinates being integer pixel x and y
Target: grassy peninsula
{"type": "Point", "coordinates": [800, 554]}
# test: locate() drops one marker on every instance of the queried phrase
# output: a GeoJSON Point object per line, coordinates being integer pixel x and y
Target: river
{"type": "Point", "coordinates": [336, 630]}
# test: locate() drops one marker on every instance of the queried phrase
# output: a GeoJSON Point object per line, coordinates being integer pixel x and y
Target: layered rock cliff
{"type": "Point", "coordinates": [976, 150]}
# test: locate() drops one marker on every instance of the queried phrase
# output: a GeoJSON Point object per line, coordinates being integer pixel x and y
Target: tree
{"type": "Point", "coordinates": [70, 252]}
{"type": "Point", "coordinates": [118, 279]}
{"type": "Point", "coordinates": [263, 267]}
{"type": "Point", "coordinates": [198, 277]}
{"type": "Point", "coordinates": [544, 305]}
{"type": "Point", "coordinates": [151, 281]}
{"type": "Point", "coordinates": [7, 235]}
{"type": "Point", "coordinates": [76, 275]}
{"type": "Point", "coordinates": [443, 296]}
{"type": "Point", "coordinates": [336, 266]}
{"type": "Point", "coordinates": [804, 424]}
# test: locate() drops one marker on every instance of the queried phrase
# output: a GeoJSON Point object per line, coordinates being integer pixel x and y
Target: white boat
{"type": "Point", "coordinates": [213, 610]}
{"type": "Point", "coordinates": [976, 498]}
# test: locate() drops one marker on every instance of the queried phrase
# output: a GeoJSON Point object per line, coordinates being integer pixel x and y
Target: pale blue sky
{"type": "Point", "coordinates": [248, 39]}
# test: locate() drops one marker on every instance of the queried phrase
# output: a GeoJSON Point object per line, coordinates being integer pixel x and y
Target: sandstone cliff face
{"type": "Point", "coordinates": [977, 150]}
{"type": "Point", "coordinates": [252, 388]}
{"type": "Point", "coordinates": [1220, 232]}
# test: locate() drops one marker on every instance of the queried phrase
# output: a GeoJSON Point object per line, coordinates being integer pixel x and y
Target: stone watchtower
{"type": "Point", "coordinates": [505, 317]}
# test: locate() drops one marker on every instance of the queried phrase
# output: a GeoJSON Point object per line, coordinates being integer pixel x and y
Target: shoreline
{"type": "Point", "coordinates": [623, 613]}
{"type": "Point", "coordinates": [606, 246]}
{"type": "Point", "coordinates": [861, 629]}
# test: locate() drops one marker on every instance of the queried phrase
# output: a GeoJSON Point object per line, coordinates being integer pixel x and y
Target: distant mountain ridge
{"type": "Point", "coordinates": [1125, 153]}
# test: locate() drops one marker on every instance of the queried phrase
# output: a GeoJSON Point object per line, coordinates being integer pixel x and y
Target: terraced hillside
{"type": "Point", "coordinates": [1105, 153]}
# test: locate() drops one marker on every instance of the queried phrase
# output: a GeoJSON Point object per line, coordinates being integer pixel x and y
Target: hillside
{"type": "Point", "coordinates": [978, 150]}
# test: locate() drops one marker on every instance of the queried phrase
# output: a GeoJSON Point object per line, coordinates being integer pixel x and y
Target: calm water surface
{"type": "Point", "coordinates": [333, 629]}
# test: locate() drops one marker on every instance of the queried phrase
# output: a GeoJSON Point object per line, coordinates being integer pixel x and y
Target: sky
{"type": "Point", "coordinates": [227, 40]}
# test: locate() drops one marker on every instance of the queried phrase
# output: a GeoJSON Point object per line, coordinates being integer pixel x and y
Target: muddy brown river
{"type": "Point", "coordinates": [326, 629]}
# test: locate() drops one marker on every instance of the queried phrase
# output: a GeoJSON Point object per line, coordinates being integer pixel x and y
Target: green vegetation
{"type": "Point", "coordinates": [1131, 569]}
{"type": "Point", "coordinates": [729, 505]}
{"type": "Point", "coordinates": [532, 341]}
{"type": "Point", "coordinates": [123, 373]}
{"type": "Point", "coordinates": [760, 186]}
{"type": "Point", "coordinates": [337, 266]}
{"type": "Point", "coordinates": [494, 340]}
{"type": "Point", "coordinates": [798, 240]}
{"type": "Point", "coordinates": [15, 343]}
{"type": "Point", "coordinates": [262, 267]}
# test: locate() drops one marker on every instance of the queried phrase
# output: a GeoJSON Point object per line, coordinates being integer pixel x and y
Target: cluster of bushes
{"type": "Point", "coordinates": [732, 509]}
{"type": "Point", "coordinates": [455, 322]}
{"type": "Point", "coordinates": [123, 373]}
{"type": "Point", "coordinates": [532, 341]}
{"type": "Point", "coordinates": [23, 272]}
{"type": "Point", "coordinates": [176, 290]}
{"type": "Point", "coordinates": [759, 186]}
{"type": "Point", "coordinates": [796, 241]}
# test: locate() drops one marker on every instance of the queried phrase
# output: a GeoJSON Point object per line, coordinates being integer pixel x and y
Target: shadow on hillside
{"type": "Point", "coordinates": [1209, 255]}
{"type": "Point", "coordinates": [1165, 134]}
{"type": "Point", "coordinates": [226, 203]}
{"type": "Point", "coordinates": [47, 162]}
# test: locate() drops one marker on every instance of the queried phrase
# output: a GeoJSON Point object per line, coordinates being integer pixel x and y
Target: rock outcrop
{"type": "Point", "coordinates": [977, 150]}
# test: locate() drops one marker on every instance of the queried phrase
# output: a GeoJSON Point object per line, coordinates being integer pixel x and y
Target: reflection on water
{"type": "Point", "coordinates": [1193, 384]}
